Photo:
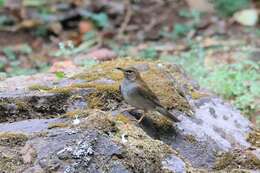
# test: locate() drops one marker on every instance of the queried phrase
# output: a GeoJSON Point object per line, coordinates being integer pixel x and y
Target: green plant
{"type": "Point", "coordinates": [88, 63]}
{"type": "Point", "coordinates": [192, 61]}
{"type": "Point", "coordinates": [2, 2]}
{"type": "Point", "coordinates": [67, 48]}
{"type": "Point", "coordinates": [41, 31]}
{"type": "Point", "coordinates": [13, 61]}
{"type": "Point", "coordinates": [237, 82]}
{"type": "Point", "coordinates": [9, 53]}
{"type": "Point", "coordinates": [148, 53]}
{"type": "Point", "coordinates": [191, 14]}
{"type": "Point", "coordinates": [60, 75]}
{"type": "Point", "coordinates": [2, 64]}
{"type": "Point", "coordinates": [100, 19]}
{"type": "Point", "coordinates": [33, 3]}
{"type": "Point", "coordinates": [229, 7]}
{"type": "Point", "coordinates": [123, 50]}
{"type": "Point", "coordinates": [180, 30]}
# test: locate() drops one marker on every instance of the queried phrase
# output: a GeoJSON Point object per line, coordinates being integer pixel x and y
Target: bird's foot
{"type": "Point", "coordinates": [140, 119]}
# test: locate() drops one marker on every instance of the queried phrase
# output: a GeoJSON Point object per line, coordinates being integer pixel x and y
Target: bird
{"type": "Point", "coordinates": [137, 94]}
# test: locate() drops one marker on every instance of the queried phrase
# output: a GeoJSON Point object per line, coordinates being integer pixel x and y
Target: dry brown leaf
{"type": "Point", "coordinates": [85, 26]}
{"type": "Point", "coordinates": [63, 66]}
{"type": "Point", "coordinates": [102, 54]}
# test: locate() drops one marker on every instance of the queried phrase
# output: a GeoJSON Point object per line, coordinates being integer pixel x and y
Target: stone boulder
{"type": "Point", "coordinates": [77, 124]}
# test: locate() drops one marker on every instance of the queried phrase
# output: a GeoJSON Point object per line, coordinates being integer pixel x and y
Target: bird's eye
{"type": "Point", "coordinates": [129, 72]}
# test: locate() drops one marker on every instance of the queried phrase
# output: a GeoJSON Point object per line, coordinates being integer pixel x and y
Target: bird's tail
{"type": "Point", "coordinates": [166, 113]}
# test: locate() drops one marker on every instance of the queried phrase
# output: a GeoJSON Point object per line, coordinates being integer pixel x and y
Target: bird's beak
{"type": "Point", "coordinates": [119, 68]}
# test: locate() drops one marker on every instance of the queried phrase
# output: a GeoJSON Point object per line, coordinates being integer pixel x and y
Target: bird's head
{"type": "Point", "coordinates": [130, 73]}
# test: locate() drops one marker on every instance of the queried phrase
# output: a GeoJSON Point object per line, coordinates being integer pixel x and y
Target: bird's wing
{"type": "Point", "coordinates": [144, 91]}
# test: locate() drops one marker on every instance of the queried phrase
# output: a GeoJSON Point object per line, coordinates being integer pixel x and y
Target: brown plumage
{"type": "Point", "coordinates": [137, 93]}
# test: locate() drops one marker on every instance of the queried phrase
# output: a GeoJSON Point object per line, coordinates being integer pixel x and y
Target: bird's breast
{"type": "Point", "coordinates": [127, 89]}
{"type": "Point", "coordinates": [132, 96]}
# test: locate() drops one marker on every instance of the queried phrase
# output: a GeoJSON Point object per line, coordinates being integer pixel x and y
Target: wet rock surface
{"type": "Point", "coordinates": [87, 133]}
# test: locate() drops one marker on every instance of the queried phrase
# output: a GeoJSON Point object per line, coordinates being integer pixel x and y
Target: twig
{"type": "Point", "coordinates": [127, 18]}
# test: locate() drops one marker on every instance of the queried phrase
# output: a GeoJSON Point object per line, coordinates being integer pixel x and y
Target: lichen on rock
{"type": "Point", "coordinates": [237, 159]}
{"type": "Point", "coordinates": [90, 132]}
{"type": "Point", "coordinates": [10, 161]}
{"type": "Point", "coordinates": [254, 137]}
{"type": "Point", "coordinates": [155, 74]}
{"type": "Point", "coordinates": [12, 139]}
{"type": "Point", "coordinates": [140, 153]}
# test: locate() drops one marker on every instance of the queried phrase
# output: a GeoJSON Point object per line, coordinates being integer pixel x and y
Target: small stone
{"type": "Point", "coordinates": [28, 153]}
{"type": "Point", "coordinates": [76, 121]}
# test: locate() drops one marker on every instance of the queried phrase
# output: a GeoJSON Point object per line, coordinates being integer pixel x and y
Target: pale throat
{"type": "Point", "coordinates": [131, 77]}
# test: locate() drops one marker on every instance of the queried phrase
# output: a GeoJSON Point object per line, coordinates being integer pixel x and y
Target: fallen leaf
{"type": "Point", "coordinates": [60, 74]}
{"type": "Point", "coordinates": [102, 54]}
{"type": "Point", "coordinates": [85, 26]}
{"type": "Point", "coordinates": [248, 17]}
{"type": "Point", "coordinates": [62, 66]}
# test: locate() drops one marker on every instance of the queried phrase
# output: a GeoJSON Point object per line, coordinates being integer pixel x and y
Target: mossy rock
{"type": "Point", "coordinates": [57, 125]}
{"type": "Point", "coordinates": [254, 137]}
{"type": "Point", "coordinates": [169, 83]}
{"type": "Point", "coordinates": [13, 139]}
{"type": "Point", "coordinates": [237, 159]}
{"type": "Point", "coordinates": [165, 80]}
{"type": "Point", "coordinates": [10, 163]}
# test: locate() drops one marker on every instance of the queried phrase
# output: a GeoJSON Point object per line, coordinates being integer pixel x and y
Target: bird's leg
{"type": "Point", "coordinates": [129, 108]}
{"type": "Point", "coordinates": [140, 119]}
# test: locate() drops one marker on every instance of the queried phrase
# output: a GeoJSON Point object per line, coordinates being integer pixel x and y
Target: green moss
{"type": "Point", "coordinates": [77, 113]}
{"type": "Point", "coordinates": [10, 164]}
{"type": "Point", "coordinates": [141, 152]}
{"type": "Point", "coordinates": [161, 124]}
{"type": "Point", "coordinates": [38, 87]}
{"type": "Point", "coordinates": [237, 159]}
{"type": "Point", "coordinates": [22, 105]}
{"type": "Point", "coordinates": [99, 120]}
{"type": "Point", "coordinates": [107, 95]}
{"type": "Point", "coordinates": [62, 90]}
{"type": "Point", "coordinates": [57, 125]}
{"type": "Point", "coordinates": [104, 98]}
{"type": "Point", "coordinates": [122, 118]}
{"type": "Point", "coordinates": [223, 161]}
{"type": "Point", "coordinates": [254, 137]}
{"type": "Point", "coordinates": [166, 91]}
{"type": "Point", "coordinates": [191, 139]}
{"type": "Point", "coordinates": [197, 95]}
{"type": "Point", "coordinates": [13, 139]}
